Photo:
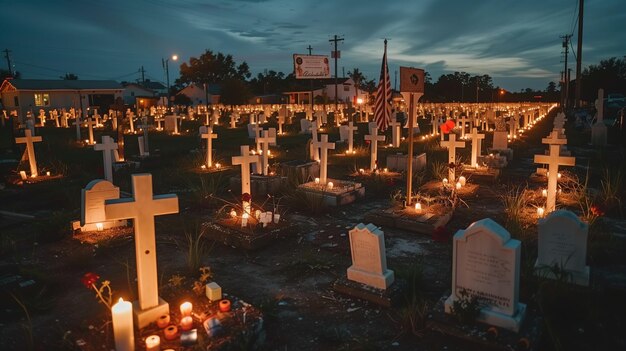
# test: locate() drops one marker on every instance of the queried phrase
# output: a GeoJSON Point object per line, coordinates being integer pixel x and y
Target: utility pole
{"type": "Point", "coordinates": [566, 39]}
{"type": "Point", "coordinates": [6, 54]}
{"type": "Point", "coordinates": [336, 39]}
{"type": "Point", "coordinates": [579, 51]}
{"type": "Point", "coordinates": [395, 80]}
{"type": "Point", "coordinates": [311, 81]}
{"type": "Point", "coordinates": [143, 77]}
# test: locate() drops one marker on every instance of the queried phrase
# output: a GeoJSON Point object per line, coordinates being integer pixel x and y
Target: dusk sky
{"type": "Point", "coordinates": [516, 42]}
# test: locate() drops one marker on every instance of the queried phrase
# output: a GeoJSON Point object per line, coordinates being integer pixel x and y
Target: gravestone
{"type": "Point", "coordinates": [598, 130]}
{"type": "Point", "coordinates": [486, 266]}
{"type": "Point", "coordinates": [563, 243]}
{"type": "Point", "coordinates": [369, 261]}
{"type": "Point", "coordinates": [92, 199]}
{"type": "Point", "coordinates": [142, 208]}
{"type": "Point", "coordinates": [305, 126]}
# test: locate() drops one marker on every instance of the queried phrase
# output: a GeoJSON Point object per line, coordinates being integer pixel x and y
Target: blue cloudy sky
{"type": "Point", "coordinates": [516, 42]}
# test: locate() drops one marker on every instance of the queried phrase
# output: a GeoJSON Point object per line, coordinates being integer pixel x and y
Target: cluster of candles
{"type": "Point", "coordinates": [329, 185]}
{"type": "Point", "coordinates": [122, 313]}
{"type": "Point", "coordinates": [217, 166]}
{"type": "Point", "coordinates": [459, 184]}
{"type": "Point", "coordinates": [24, 176]}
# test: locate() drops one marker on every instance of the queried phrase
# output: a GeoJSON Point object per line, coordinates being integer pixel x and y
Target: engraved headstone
{"type": "Point", "coordinates": [369, 261]}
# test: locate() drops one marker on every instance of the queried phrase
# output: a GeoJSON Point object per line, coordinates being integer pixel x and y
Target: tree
{"type": "Point", "coordinates": [268, 82]}
{"type": "Point", "coordinates": [212, 68]}
{"type": "Point", "coordinates": [235, 92]}
{"type": "Point", "coordinates": [609, 75]}
{"type": "Point", "coordinates": [69, 76]}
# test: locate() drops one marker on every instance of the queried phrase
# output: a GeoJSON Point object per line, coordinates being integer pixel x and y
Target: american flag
{"type": "Point", "coordinates": [382, 114]}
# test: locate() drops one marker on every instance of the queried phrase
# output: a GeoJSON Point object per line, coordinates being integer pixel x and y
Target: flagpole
{"type": "Point", "coordinates": [409, 167]}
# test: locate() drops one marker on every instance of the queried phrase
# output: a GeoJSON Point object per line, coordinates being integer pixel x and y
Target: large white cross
{"type": "Point", "coordinates": [553, 160]}
{"type": "Point", "coordinates": [131, 115]}
{"type": "Point", "coordinates": [245, 160]}
{"type": "Point", "coordinates": [463, 123]}
{"type": "Point", "coordinates": [374, 138]}
{"type": "Point", "coordinates": [324, 145]}
{"type": "Point", "coordinates": [476, 146]}
{"type": "Point", "coordinates": [29, 139]}
{"type": "Point", "coordinates": [142, 208]}
{"type": "Point", "coordinates": [351, 129]}
{"type": "Point", "coordinates": [107, 147]}
{"type": "Point", "coordinates": [233, 119]}
{"type": "Point", "coordinates": [265, 141]}
{"type": "Point", "coordinates": [452, 144]}
{"type": "Point", "coordinates": [209, 136]}
{"type": "Point", "coordinates": [395, 132]}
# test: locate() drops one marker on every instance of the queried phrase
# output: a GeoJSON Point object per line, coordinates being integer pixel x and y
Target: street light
{"type": "Point", "coordinates": [166, 66]}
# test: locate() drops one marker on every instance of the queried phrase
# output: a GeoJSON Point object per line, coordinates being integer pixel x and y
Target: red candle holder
{"type": "Point", "coordinates": [171, 332]}
{"type": "Point", "coordinates": [163, 321]}
{"type": "Point", "coordinates": [224, 305]}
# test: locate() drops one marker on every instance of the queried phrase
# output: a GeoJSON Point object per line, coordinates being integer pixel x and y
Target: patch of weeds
{"type": "Point", "coordinates": [466, 309]}
{"type": "Point", "coordinates": [195, 246]}
{"type": "Point", "coordinates": [438, 169]}
{"type": "Point", "coordinates": [515, 201]}
{"type": "Point", "coordinates": [27, 326]}
{"type": "Point", "coordinates": [411, 316]}
{"type": "Point", "coordinates": [611, 189]}
{"type": "Point", "coordinates": [205, 276]}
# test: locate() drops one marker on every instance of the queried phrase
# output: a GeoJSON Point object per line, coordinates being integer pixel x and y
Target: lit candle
{"type": "Point", "coordinates": [458, 185]}
{"type": "Point", "coordinates": [224, 305]}
{"type": "Point", "coordinates": [170, 332]}
{"type": "Point", "coordinates": [445, 181]}
{"type": "Point", "coordinates": [185, 309]}
{"type": "Point", "coordinates": [558, 175]}
{"type": "Point", "coordinates": [153, 343]}
{"type": "Point", "coordinates": [418, 207]}
{"type": "Point", "coordinates": [317, 180]}
{"type": "Point", "coordinates": [244, 219]}
{"type": "Point", "coordinates": [361, 170]}
{"type": "Point", "coordinates": [540, 212]}
{"type": "Point", "coordinates": [203, 166]}
{"type": "Point", "coordinates": [99, 227]}
{"type": "Point", "coordinates": [48, 173]}
{"type": "Point", "coordinates": [23, 175]}
{"type": "Point", "coordinates": [186, 323]}
{"type": "Point", "coordinates": [122, 315]}
{"type": "Point", "coordinates": [544, 192]}
{"type": "Point", "coordinates": [462, 180]}
{"type": "Point", "coordinates": [257, 214]}
{"type": "Point", "coordinates": [233, 213]}
{"type": "Point", "coordinates": [218, 166]}
{"type": "Point", "coordinates": [163, 321]}
{"type": "Point", "coordinates": [385, 170]}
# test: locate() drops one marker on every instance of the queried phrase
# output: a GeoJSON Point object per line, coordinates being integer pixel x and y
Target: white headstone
{"type": "Point", "coordinates": [93, 198]}
{"type": "Point", "coordinates": [563, 243]}
{"type": "Point", "coordinates": [486, 265]}
{"type": "Point", "coordinates": [369, 260]}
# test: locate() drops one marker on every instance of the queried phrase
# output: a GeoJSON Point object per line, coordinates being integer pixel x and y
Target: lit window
{"type": "Point", "coordinates": [42, 100]}
{"type": "Point", "coordinates": [346, 87]}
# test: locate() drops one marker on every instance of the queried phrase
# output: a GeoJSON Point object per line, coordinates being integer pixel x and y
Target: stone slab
{"type": "Point", "coordinates": [334, 199]}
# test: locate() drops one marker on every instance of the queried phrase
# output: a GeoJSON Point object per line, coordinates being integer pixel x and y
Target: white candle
{"type": "Point", "coordinates": [462, 180]}
{"type": "Point", "coordinates": [153, 343]}
{"type": "Point", "coordinates": [458, 185]}
{"type": "Point", "coordinates": [186, 323]}
{"type": "Point", "coordinates": [317, 180]}
{"type": "Point", "coordinates": [418, 207]}
{"type": "Point", "coordinates": [544, 192]}
{"type": "Point", "coordinates": [445, 181]}
{"type": "Point", "coordinates": [330, 185]}
{"type": "Point", "coordinates": [540, 212]}
{"type": "Point", "coordinates": [185, 309]}
{"type": "Point", "coordinates": [123, 332]}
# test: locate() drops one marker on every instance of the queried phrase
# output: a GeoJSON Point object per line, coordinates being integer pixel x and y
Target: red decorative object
{"type": "Point", "coordinates": [89, 279]}
{"type": "Point", "coordinates": [597, 210]}
{"type": "Point", "coordinates": [246, 197]}
{"type": "Point", "coordinates": [224, 305]}
{"type": "Point", "coordinates": [440, 234]}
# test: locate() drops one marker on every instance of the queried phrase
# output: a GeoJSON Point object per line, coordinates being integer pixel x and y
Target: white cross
{"type": "Point", "coordinates": [233, 119]}
{"type": "Point", "coordinates": [600, 106]}
{"type": "Point", "coordinates": [107, 147]}
{"type": "Point", "coordinates": [142, 208]}
{"type": "Point", "coordinates": [351, 129]}
{"type": "Point", "coordinates": [257, 133]}
{"type": "Point", "coordinates": [265, 141]}
{"type": "Point", "coordinates": [245, 160]}
{"type": "Point", "coordinates": [209, 136]}
{"type": "Point", "coordinates": [29, 139]}
{"type": "Point", "coordinates": [452, 144]}
{"type": "Point", "coordinates": [130, 115]}
{"type": "Point", "coordinates": [395, 132]}
{"type": "Point", "coordinates": [314, 142]}
{"type": "Point", "coordinates": [463, 123]}
{"type": "Point", "coordinates": [324, 145]}
{"type": "Point", "coordinates": [42, 117]}
{"type": "Point", "coordinates": [90, 123]}
{"type": "Point", "coordinates": [553, 160]}
{"type": "Point", "coordinates": [374, 138]}
{"type": "Point", "coordinates": [476, 146]}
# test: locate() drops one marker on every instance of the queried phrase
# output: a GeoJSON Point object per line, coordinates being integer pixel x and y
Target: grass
{"type": "Point", "coordinates": [195, 247]}
{"type": "Point", "coordinates": [515, 201]}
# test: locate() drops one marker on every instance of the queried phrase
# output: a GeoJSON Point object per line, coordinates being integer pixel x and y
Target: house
{"type": "Point", "coordinates": [137, 95]}
{"type": "Point", "coordinates": [199, 95]}
{"type": "Point", "coordinates": [22, 95]}
{"type": "Point", "coordinates": [325, 88]}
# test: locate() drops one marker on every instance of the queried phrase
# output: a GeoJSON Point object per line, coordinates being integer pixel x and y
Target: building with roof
{"type": "Point", "coordinates": [22, 95]}
{"type": "Point", "coordinates": [324, 88]}
{"type": "Point", "coordinates": [199, 95]}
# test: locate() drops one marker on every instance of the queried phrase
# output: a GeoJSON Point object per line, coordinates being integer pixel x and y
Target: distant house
{"type": "Point", "coordinates": [34, 94]}
{"type": "Point", "coordinates": [135, 94]}
{"type": "Point", "coordinates": [199, 95]}
{"type": "Point", "coordinates": [346, 90]}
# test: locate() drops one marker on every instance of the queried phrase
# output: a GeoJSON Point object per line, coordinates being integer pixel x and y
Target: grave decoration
{"type": "Point", "coordinates": [368, 277]}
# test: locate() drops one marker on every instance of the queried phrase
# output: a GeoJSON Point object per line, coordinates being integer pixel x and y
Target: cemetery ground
{"type": "Point", "coordinates": [290, 280]}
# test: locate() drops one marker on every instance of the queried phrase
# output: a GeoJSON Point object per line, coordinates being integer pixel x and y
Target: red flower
{"type": "Point", "coordinates": [246, 197]}
{"type": "Point", "coordinates": [89, 279]}
{"type": "Point", "coordinates": [597, 210]}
